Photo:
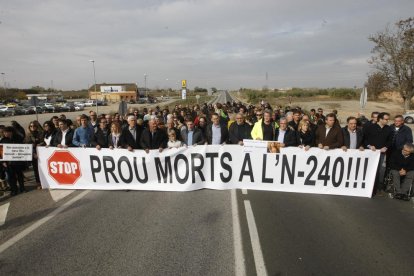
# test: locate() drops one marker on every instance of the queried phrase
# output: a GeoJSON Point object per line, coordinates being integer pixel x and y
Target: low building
{"type": "Point", "coordinates": [114, 92]}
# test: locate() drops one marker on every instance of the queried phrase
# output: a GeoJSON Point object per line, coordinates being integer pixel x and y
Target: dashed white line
{"type": "Point", "coordinates": [3, 213]}
{"type": "Point", "coordinates": [240, 268]}
{"type": "Point", "coordinates": [244, 191]}
{"type": "Point", "coordinates": [40, 222]}
{"type": "Point", "coordinates": [254, 238]}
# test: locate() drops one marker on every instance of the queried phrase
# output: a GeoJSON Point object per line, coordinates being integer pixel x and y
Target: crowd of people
{"type": "Point", "coordinates": [218, 124]}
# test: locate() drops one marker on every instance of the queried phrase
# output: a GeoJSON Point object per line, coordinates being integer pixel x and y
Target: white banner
{"type": "Point", "coordinates": [315, 171]}
{"type": "Point", "coordinates": [16, 152]}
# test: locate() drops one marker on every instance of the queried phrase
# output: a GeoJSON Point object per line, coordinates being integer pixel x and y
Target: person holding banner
{"type": "Point", "coordinates": [172, 140]}
{"type": "Point", "coordinates": [305, 135]}
{"type": "Point", "coordinates": [217, 133]}
{"type": "Point", "coordinates": [83, 135]}
{"type": "Point", "coordinates": [14, 169]}
{"type": "Point", "coordinates": [264, 129]}
{"type": "Point", "coordinates": [239, 130]}
{"type": "Point", "coordinates": [153, 137]}
{"type": "Point", "coordinates": [131, 135]}
{"type": "Point", "coordinates": [114, 139]}
{"type": "Point", "coordinates": [379, 137]}
{"type": "Point", "coordinates": [329, 135]}
{"type": "Point", "coordinates": [64, 137]}
{"type": "Point", "coordinates": [286, 136]}
{"type": "Point", "coordinates": [353, 136]}
{"type": "Point", "coordinates": [191, 136]}
{"type": "Point", "coordinates": [100, 139]}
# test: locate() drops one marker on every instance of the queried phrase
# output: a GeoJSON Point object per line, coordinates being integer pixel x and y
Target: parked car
{"type": "Point", "coordinates": [67, 107]}
{"type": "Point", "coordinates": [80, 104]}
{"type": "Point", "coordinates": [79, 107]}
{"type": "Point", "coordinates": [90, 103]}
{"type": "Point", "coordinates": [50, 108]}
{"type": "Point", "coordinates": [6, 111]}
{"type": "Point", "coordinates": [20, 110]}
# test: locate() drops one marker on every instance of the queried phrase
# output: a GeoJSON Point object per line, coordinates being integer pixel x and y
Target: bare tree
{"type": "Point", "coordinates": [376, 84]}
{"type": "Point", "coordinates": [394, 57]}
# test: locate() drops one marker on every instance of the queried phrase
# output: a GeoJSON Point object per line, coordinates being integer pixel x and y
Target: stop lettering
{"type": "Point", "coordinates": [64, 168]}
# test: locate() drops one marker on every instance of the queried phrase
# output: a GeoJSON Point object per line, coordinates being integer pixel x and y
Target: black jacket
{"type": "Point", "coordinates": [198, 138]}
{"type": "Point", "coordinates": [57, 139]}
{"type": "Point", "coordinates": [398, 161]}
{"type": "Point", "coordinates": [224, 134]}
{"type": "Point", "coordinates": [239, 132]}
{"type": "Point", "coordinates": [127, 140]}
{"type": "Point", "coordinates": [376, 136]}
{"type": "Point", "coordinates": [100, 138]}
{"type": "Point", "coordinates": [401, 137]}
{"type": "Point", "coordinates": [159, 140]}
{"type": "Point", "coordinates": [290, 139]}
{"type": "Point", "coordinates": [307, 138]}
{"type": "Point", "coordinates": [347, 139]}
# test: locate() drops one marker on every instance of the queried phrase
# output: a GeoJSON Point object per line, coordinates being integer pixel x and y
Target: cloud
{"type": "Point", "coordinates": [226, 44]}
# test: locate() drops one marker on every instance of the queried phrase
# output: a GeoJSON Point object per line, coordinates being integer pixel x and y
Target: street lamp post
{"type": "Point", "coordinates": [145, 81]}
{"type": "Point", "coordinates": [94, 78]}
{"type": "Point", "coordinates": [4, 84]}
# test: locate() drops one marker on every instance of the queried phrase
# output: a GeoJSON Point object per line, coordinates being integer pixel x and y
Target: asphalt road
{"type": "Point", "coordinates": [192, 233]}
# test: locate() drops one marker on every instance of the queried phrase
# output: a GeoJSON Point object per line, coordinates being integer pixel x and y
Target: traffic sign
{"type": "Point", "coordinates": [64, 168]}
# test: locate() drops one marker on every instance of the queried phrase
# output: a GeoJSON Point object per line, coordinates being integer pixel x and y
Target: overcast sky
{"type": "Point", "coordinates": [221, 43]}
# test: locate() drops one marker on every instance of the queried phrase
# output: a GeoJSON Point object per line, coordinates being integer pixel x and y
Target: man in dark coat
{"type": "Point", "coordinates": [64, 136]}
{"type": "Point", "coordinates": [329, 135]}
{"type": "Point", "coordinates": [191, 135]}
{"type": "Point", "coordinates": [402, 170]}
{"type": "Point", "coordinates": [402, 134]}
{"type": "Point", "coordinates": [379, 137]}
{"type": "Point", "coordinates": [131, 135]}
{"type": "Point", "coordinates": [239, 130]}
{"type": "Point", "coordinates": [153, 137]}
{"type": "Point", "coordinates": [286, 136]}
{"type": "Point", "coordinates": [353, 136]}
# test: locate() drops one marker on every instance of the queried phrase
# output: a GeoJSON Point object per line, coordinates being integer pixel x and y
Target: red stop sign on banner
{"type": "Point", "coordinates": [64, 168]}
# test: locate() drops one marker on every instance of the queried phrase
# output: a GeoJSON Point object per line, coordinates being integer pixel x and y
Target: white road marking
{"type": "Point", "coordinates": [60, 194]}
{"type": "Point", "coordinates": [3, 213]}
{"type": "Point", "coordinates": [254, 238]}
{"type": "Point", "coordinates": [244, 191]}
{"type": "Point", "coordinates": [240, 268]}
{"type": "Point", "coordinates": [40, 222]}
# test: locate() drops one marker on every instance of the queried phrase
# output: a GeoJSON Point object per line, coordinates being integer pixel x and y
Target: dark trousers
{"type": "Point", "coordinates": [36, 170]}
{"type": "Point", "coordinates": [15, 175]}
{"type": "Point", "coordinates": [379, 177]}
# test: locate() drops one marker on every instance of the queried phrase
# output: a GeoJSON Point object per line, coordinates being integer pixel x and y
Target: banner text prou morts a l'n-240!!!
{"type": "Point", "coordinates": [214, 167]}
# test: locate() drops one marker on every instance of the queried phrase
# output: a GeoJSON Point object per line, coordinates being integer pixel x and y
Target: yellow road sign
{"type": "Point", "coordinates": [184, 83]}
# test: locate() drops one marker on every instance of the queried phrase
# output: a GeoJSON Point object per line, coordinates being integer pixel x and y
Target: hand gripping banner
{"type": "Point", "coordinates": [315, 171]}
